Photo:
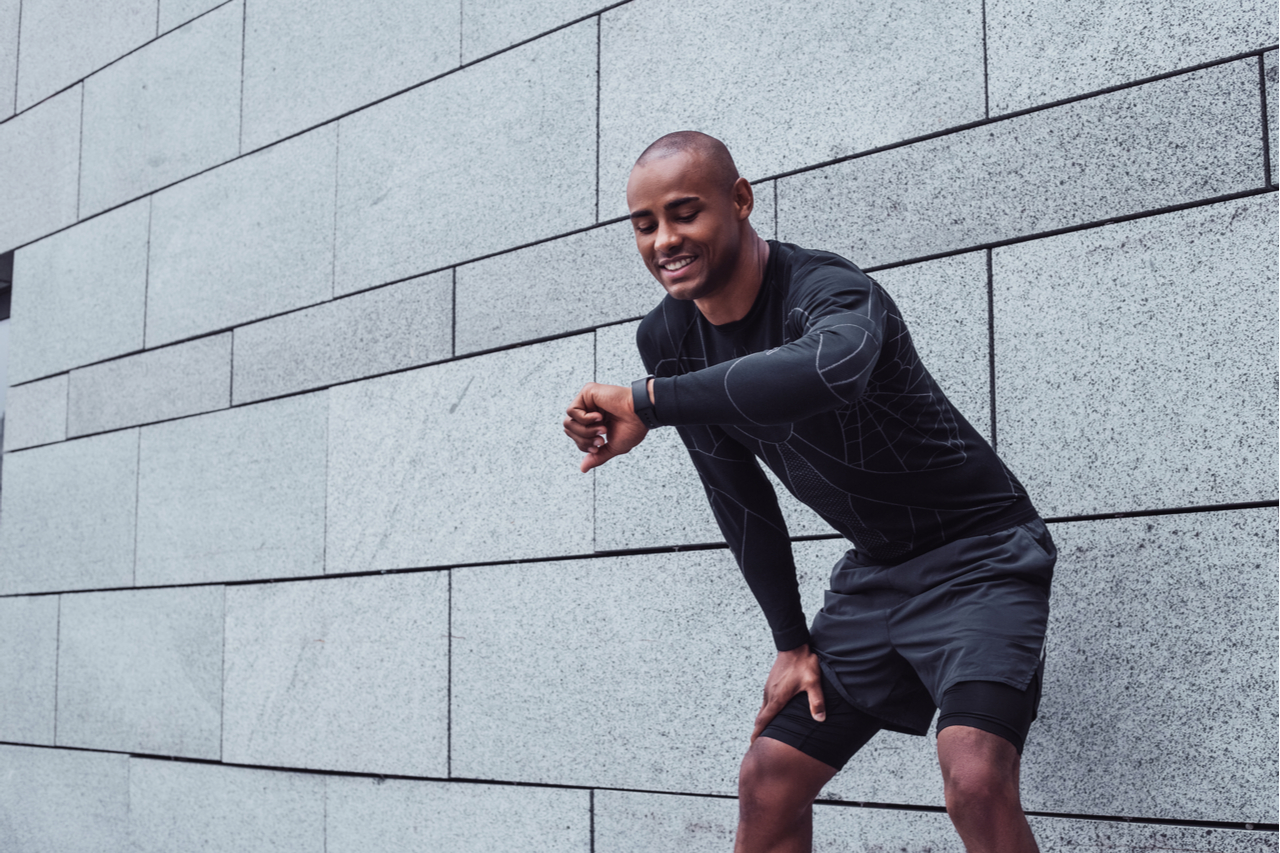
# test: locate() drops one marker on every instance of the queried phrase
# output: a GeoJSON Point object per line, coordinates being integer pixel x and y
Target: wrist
{"type": "Point", "coordinates": [642, 402]}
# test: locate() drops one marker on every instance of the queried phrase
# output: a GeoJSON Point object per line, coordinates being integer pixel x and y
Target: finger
{"type": "Point", "coordinates": [584, 416]}
{"type": "Point", "coordinates": [597, 458]}
{"type": "Point", "coordinates": [817, 702]}
{"type": "Point", "coordinates": [766, 715]}
{"type": "Point", "coordinates": [583, 436]}
{"type": "Point", "coordinates": [585, 445]}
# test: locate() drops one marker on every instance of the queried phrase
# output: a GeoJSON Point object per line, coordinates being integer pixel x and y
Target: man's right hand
{"type": "Point", "coordinates": [795, 671]}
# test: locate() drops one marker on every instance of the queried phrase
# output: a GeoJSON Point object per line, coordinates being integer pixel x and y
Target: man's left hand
{"type": "Point", "coordinates": [602, 422]}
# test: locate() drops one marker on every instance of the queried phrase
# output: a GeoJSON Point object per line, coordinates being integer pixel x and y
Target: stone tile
{"type": "Point", "coordinates": [63, 41]}
{"type": "Point", "coordinates": [635, 634]}
{"type": "Point", "coordinates": [387, 329]}
{"type": "Point", "coordinates": [234, 495]}
{"type": "Point", "coordinates": [307, 61]}
{"type": "Point", "coordinates": [841, 828]}
{"type": "Point", "coordinates": [275, 208]}
{"type": "Point", "coordinates": [174, 13]}
{"type": "Point", "coordinates": [9, 12]}
{"type": "Point", "coordinates": [491, 25]}
{"type": "Point", "coordinates": [432, 467]}
{"type": "Point", "coordinates": [36, 413]}
{"type": "Point", "coordinates": [1159, 697]}
{"type": "Point", "coordinates": [80, 296]}
{"type": "Point", "coordinates": [1043, 52]}
{"type": "Point", "coordinates": [163, 113]}
{"type": "Point", "coordinates": [495, 307]}
{"type": "Point", "coordinates": [634, 822]}
{"type": "Point", "coordinates": [395, 814]}
{"type": "Point", "coordinates": [28, 667]}
{"type": "Point", "coordinates": [653, 496]}
{"type": "Point", "coordinates": [1273, 117]}
{"type": "Point", "coordinates": [339, 674]}
{"type": "Point", "coordinates": [495, 156]}
{"type": "Point", "coordinates": [1147, 392]}
{"type": "Point", "coordinates": [1177, 140]}
{"type": "Point", "coordinates": [69, 513]}
{"type": "Point", "coordinates": [1074, 834]}
{"type": "Point", "coordinates": [57, 799]}
{"type": "Point", "coordinates": [40, 170]}
{"type": "Point", "coordinates": [155, 385]}
{"type": "Point", "coordinates": [907, 68]}
{"type": "Point", "coordinates": [945, 305]}
{"type": "Point", "coordinates": [141, 671]}
{"type": "Point", "coordinates": [177, 805]}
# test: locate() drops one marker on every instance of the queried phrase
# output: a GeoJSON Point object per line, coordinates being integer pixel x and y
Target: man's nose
{"type": "Point", "coordinates": [667, 240]}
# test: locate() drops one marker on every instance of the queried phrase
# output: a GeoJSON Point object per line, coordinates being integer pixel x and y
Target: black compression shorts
{"type": "Point", "coordinates": [987, 705]}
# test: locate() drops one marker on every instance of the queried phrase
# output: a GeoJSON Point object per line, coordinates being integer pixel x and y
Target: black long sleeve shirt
{"type": "Point", "coordinates": [820, 380]}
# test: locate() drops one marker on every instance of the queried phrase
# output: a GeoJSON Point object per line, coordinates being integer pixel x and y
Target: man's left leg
{"type": "Point", "coordinates": [980, 778]}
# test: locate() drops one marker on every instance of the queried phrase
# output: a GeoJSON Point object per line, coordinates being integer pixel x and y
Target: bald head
{"type": "Point", "coordinates": [714, 158]}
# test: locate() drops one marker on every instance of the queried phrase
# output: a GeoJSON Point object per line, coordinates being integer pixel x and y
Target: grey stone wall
{"type": "Point", "coordinates": [301, 290]}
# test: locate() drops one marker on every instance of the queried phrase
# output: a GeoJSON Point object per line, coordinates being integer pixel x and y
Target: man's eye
{"type": "Point", "coordinates": [689, 218]}
{"type": "Point", "coordinates": [645, 229]}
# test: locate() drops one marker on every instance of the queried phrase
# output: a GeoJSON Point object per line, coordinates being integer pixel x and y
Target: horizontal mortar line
{"type": "Point", "coordinates": [900, 144]}
{"type": "Point", "coordinates": [1085, 226]}
{"type": "Point", "coordinates": [100, 68]}
{"type": "Point", "coordinates": [309, 771]}
{"type": "Point", "coordinates": [984, 122]}
{"type": "Point", "coordinates": [609, 554]}
{"type": "Point", "coordinates": [1148, 513]}
{"type": "Point", "coordinates": [1039, 235]}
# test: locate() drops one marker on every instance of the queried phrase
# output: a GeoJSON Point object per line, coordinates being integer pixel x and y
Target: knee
{"type": "Point", "coordinates": [978, 787]}
{"type": "Point", "coordinates": [753, 782]}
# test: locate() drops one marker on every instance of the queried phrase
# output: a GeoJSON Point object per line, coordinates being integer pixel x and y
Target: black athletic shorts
{"type": "Point", "coordinates": [896, 640]}
{"type": "Point", "coordinates": [988, 705]}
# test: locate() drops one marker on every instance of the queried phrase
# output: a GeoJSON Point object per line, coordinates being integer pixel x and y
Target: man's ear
{"type": "Point", "coordinates": [744, 198]}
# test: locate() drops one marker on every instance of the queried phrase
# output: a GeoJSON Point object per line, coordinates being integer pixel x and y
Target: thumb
{"type": "Point", "coordinates": [601, 456]}
{"type": "Point", "coordinates": [817, 702]}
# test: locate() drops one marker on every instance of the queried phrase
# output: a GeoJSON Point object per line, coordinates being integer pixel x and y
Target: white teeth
{"type": "Point", "coordinates": [672, 266]}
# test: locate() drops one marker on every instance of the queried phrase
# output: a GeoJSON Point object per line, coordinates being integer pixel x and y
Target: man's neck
{"type": "Point", "coordinates": [733, 301]}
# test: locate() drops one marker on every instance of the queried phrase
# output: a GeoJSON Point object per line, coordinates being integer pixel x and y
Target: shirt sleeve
{"type": "Point", "coordinates": [746, 510]}
{"type": "Point", "coordinates": [841, 315]}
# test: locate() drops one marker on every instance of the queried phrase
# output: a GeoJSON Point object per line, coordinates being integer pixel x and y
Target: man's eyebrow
{"type": "Point", "coordinates": [668, 206]}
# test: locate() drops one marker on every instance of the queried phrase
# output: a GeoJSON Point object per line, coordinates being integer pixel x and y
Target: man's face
{"type": "Point", "coordinates": [687, 228]}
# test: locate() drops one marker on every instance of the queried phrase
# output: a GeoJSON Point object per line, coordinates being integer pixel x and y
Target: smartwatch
{"type": "Point", "coordinates": [640, 400]}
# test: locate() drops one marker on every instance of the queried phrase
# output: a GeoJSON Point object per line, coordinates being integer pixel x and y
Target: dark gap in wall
{"type": "Point", "coordinates": [625, 552]}
{"type": "Point", "coordinates": [1266, 121]}
{"type": "Point", "coordinates": [991, 346]}
{"type": "Point", "coordinates": [986, 74]}
{"type": "Point", "coordinates": [591, 818]}
{"type": "Point", "coordinates": [1250, 826]}
{"type": "Point", "coordinates": [6, 283]}
{"type": "Point", "coordinates": [599, 27]}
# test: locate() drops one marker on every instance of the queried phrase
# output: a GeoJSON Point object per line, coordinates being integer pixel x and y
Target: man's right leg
{"type": "Point", "coordinates": [776, 789]}
{"type": "Point", "coordinates": [786, 767]}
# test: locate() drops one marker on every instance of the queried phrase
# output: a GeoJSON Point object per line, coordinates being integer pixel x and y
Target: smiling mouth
{"type": "Point", "coordinates": [677, 264]}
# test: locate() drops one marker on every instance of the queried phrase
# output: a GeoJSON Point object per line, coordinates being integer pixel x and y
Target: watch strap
{"type": "Point", "coordinates": [640, 400]}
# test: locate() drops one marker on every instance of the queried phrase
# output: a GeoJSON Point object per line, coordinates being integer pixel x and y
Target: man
{"type": "Point", "coordinates": [795, 357]}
